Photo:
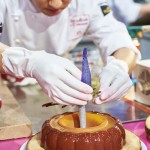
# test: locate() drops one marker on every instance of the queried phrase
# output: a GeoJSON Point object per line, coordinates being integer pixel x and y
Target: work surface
{"type": "Point", "coordinates": [13, 121]}
{"type": "Point", "coordinates": [31, 99]}
{"type": "Point", "coordinates": [135, 127]}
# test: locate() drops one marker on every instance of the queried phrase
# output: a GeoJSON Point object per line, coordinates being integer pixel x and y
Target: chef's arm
{"type": "Point", "coordinates": [126, 55]}
{"type": "Point", "coordinates": [145, 9]}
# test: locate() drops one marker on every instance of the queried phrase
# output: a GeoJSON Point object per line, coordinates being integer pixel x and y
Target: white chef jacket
{"type": "Point", "coordinates": [126, 11]}
{"type": "Point", "coordinates": [24, 26]}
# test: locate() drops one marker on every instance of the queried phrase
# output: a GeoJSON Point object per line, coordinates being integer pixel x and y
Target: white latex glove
{"type": "Point", "coordinates": [114, 81]}
{"type": "Point", "coordinates": [58, 77]}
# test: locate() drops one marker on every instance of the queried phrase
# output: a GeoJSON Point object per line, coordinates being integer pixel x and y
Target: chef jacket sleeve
{"type": "Point", "coordinates": [126, 9]}
{"type": "Point", "coordinates": [108, 33]}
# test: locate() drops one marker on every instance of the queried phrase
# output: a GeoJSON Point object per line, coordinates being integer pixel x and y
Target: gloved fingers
{"type": "Point", "coordinates": [98, 101]}
{"type": "Point", "coordinates": [57, 100]}
{"type": "Point", "coordinates": [106, 78]}
{"type": "Point", "coordinates": [119, 83]}
{"type": "Point", "coordinates": [72, 69]}
{"type": "Point", "coordinates": [74, 83]}
{"type": "Point", "coordinates": [66, 98]}
{"type": "Point", "coordinates": [121, 92]}
{"type": "Point", "coordinates": [72, 92]}
{"type": "Point", "coordinates": [51, 95]}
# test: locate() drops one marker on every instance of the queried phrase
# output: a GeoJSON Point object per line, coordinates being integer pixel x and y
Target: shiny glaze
{"type": "Point", "coordinates": [66, 138]}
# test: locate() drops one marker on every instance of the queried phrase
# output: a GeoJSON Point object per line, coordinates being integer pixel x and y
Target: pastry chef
{"type": "Point", "coordinates": [39, 32]}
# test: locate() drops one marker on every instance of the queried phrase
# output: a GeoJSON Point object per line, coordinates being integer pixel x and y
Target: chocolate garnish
{"type": "Point", "coordinates": [52, 104]}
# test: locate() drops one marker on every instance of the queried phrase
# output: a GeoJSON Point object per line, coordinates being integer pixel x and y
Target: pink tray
{"type": "Point", "coordinates": [136, 127]}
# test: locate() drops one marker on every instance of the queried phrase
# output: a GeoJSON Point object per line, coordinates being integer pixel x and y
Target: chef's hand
{"type": "Point", "coordinates": [58, 77]}
{"type": "Point", "coordinates": [114, 81]}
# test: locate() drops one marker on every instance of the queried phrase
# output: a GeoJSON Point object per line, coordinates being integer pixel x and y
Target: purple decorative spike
{"type": "Point", "coordinates": [86, 75]}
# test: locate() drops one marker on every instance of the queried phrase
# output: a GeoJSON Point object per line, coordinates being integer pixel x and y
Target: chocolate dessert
{"type": "Point", "coordinates": [103, 132]}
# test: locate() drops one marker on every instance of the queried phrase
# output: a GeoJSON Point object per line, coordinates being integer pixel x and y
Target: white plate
{"type": "Point", "coordinates": [23, 147]}
{"type": "Point", "coordinates": [143, 146]}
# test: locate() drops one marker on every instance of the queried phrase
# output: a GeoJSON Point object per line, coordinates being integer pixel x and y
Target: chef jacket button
{"type": "Point", "coordinates": [17, 41]}
{"type": "Point", "coordinates": [16, 18]}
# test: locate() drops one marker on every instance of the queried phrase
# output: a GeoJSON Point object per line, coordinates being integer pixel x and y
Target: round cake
{"type": "Point", "coordinates": [63, 132]}
{"type": "Point", "coordinates": [103, 132]}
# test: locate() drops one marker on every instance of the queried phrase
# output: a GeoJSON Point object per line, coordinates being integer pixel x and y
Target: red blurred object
{"type": "Point", "coordinates": [0, 103]}
{"type": "Point", "coordinates": [10, 78]}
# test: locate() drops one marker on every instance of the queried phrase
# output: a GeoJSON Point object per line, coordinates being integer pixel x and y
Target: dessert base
{"type": "Point", "coordinates": [132, 142]}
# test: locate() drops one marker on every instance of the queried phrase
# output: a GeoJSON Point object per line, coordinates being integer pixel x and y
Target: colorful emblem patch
{"type": "Point", "coordinates": [105, 8]}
